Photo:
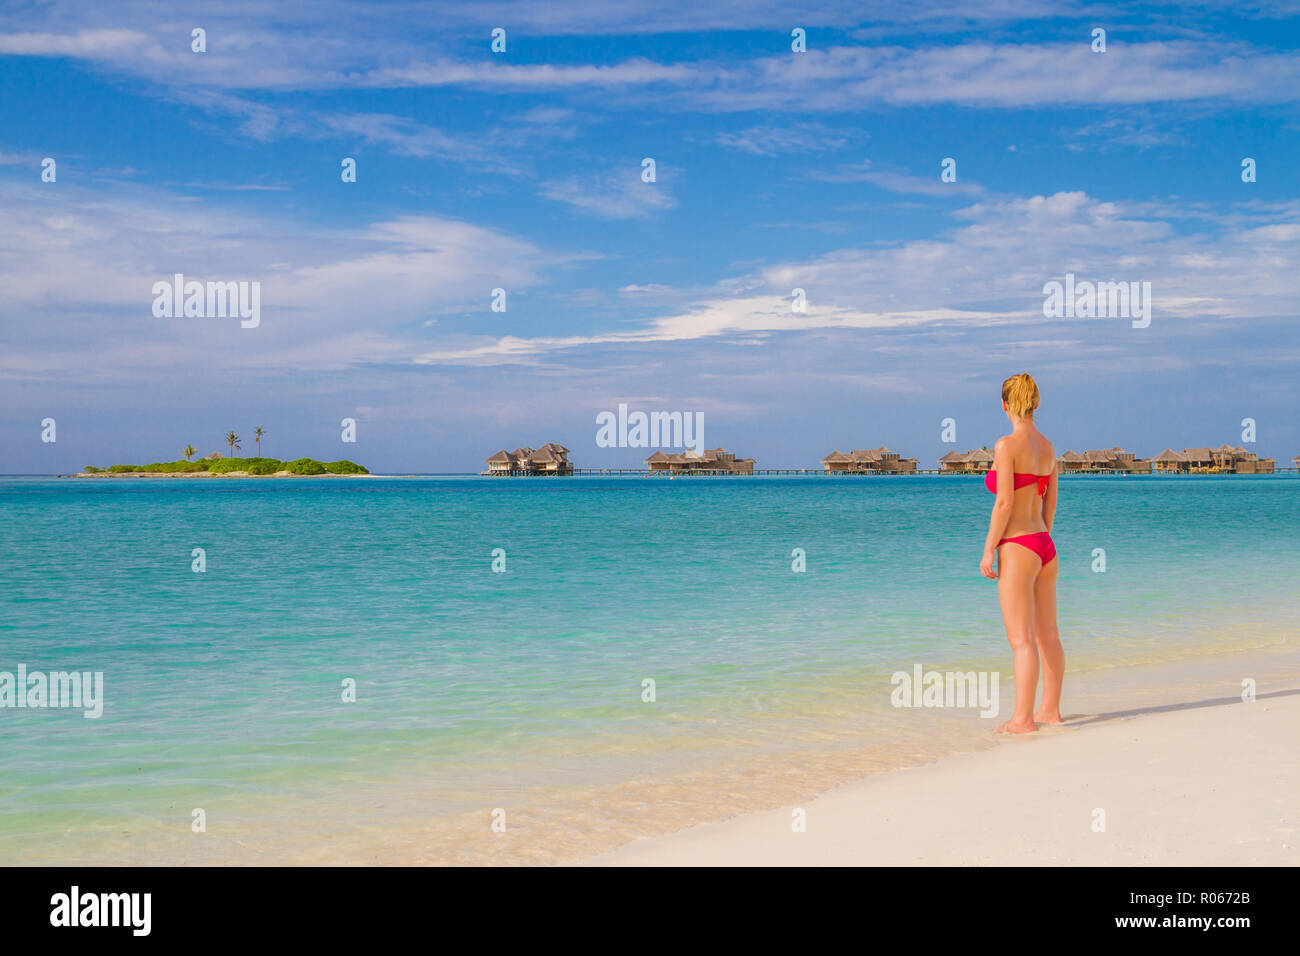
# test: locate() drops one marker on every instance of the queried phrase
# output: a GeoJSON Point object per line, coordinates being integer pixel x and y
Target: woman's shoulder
{"type": "Point", "coordinates": [1051, 451]}
{"type": "Point", "coordinates": [1005, 452]}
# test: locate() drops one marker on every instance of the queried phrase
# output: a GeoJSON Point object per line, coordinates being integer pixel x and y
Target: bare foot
{"type": "Point", "coordinates": [1014, 726]}
{"type": "Point", "coordinates": [1048, 717]}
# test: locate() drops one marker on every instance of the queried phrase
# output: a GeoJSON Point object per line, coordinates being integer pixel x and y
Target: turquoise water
{"type": "Point", "coordinates": [224, 687]}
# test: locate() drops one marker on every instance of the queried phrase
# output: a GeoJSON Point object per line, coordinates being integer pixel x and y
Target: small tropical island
{"type": "Point", "coordinates": [219, 465]}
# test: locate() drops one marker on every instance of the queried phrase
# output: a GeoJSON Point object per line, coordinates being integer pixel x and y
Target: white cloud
{"type": "Point", "coordinates": [775, 140]}
{"type": "Point", "coordinates": [988, 271]}
{"type": "Point", "coordinates": [1001, 75]}
{"type": "Point", "coordinates": [336, 46]}
{"type": "Point", "coordinates": [652, 288]}
{"type": "Point", "coordinates": [896, 182]}
{"type": "Point", "coordinates": [614, 194]}
{"type": "Point", "coordinates": [334, 298]}
{"type": "Point", "coordinates": [406, 137]}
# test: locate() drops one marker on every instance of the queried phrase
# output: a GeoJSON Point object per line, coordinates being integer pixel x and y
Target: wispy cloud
{"type": "Point", "coordinates": [1138, 131]}
{"type": "Point", "coordinates": [774, 140]}
{"type": "Point", "coordinates": [1003, 76]}
{"type": "Point", "coordinates": [403, 136]}
{"type": "Point", "coordinates": [614, 194]}
{"type": "Point", "coordinates": [18, 159]}
{"type": "Point", "coordinates": [896, 182]}
{"type": "Point", "coordinates": [317, 51]}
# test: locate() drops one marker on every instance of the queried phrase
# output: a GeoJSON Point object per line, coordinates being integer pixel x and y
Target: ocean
{"type": "Point", "coordinates": [649, 656]}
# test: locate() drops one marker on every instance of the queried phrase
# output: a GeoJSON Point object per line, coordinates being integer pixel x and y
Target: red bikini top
{"type": "Point", "coordinates": [1021, 481]}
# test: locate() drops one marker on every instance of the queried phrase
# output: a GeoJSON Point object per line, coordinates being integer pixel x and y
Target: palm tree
{"type": "Point", "coordinates": [189, 450]}
{"type": "Point", "coordinates": [232, 442]}
{"type": "Point", "coordinates": [257, 436]}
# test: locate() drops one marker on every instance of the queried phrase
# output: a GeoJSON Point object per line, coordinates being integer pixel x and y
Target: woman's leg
{"type": "Point", "coordinates": [1049, 644]}
{"type": "Point", "coordinates": [1017, 568]}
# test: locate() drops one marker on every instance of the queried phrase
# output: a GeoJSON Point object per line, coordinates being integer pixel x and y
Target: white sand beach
{"type": "Point", "coordinates": [1196, 780]}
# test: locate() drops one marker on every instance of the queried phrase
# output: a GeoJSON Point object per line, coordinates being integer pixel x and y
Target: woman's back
{"type": "Point", "coordinates": [1030, 454]}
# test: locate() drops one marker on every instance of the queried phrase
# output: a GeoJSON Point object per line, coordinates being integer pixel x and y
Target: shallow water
{"type": "Point", "coordinates": [523, 690]}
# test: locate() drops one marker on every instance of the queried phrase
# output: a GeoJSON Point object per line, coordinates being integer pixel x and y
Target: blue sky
{"type": "Point", "coordinates": [522, 170]}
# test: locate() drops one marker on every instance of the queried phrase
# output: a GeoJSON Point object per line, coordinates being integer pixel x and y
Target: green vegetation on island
{"type": "Point", "coordinates": [217, 464]}
{"type": "Point", "coordinates": [222, 466]}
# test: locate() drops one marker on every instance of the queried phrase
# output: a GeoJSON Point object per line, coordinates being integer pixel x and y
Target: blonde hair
{"type": "Point", "coordinates": [1020, 392]}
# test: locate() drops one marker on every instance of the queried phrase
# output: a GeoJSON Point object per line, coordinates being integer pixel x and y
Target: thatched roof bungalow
{"type": "Point", "coordinates": [953, 462]}
{"type": "Point", "coordinates": [976, 462]}
{"type": "Point", "coordinates": [1237, 460]}
{"type": "Point", "coordinates": [550, 459]}
{"type": "Point", "coordinates": [1226, 459]}
{"type": "Point", "coordinates": [1071, 461]}
{"type": "Point", "coordinates": [711, 461]}
{"type": "Point", "coordinates": [1169, 461]}
{"type": "Point", "coordinates": [869, 461]}
{"type": "Point", "coordinates": [1102, 459]}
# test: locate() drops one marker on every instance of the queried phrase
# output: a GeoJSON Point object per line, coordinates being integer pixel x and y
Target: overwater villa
{"type": "Point", "coordinates": [1226, 459]}
{"type": "Point", "coordinates": [1169, 461]}
{"type": "Point", "coordinates": [869, 461]}
{"type": "Point", "coordinates": [975, 462]}
{"type": "Point", "coordinates": [1104, 459]}
{"type": "Point", "coordinates": [710, 461]}
{"type": "Point", "coordinates": [550, 459]}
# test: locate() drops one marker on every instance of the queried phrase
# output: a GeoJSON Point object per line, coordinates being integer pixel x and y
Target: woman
{"type": "Point", "coordinates": [1024, 479]}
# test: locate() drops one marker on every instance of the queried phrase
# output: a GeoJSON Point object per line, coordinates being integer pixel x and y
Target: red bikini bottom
{"type": "Point", "coordinates": [1040, 542]}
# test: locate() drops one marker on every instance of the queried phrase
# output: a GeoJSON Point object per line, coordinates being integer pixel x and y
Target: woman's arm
{"type": "Point", "coordinates": [1004, 464]}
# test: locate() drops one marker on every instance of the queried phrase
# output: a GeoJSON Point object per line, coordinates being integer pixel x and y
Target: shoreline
{"type": "Point", "coordinates": [1186, 777]}
{"type": "Point", "coordinates": [944, 803]}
